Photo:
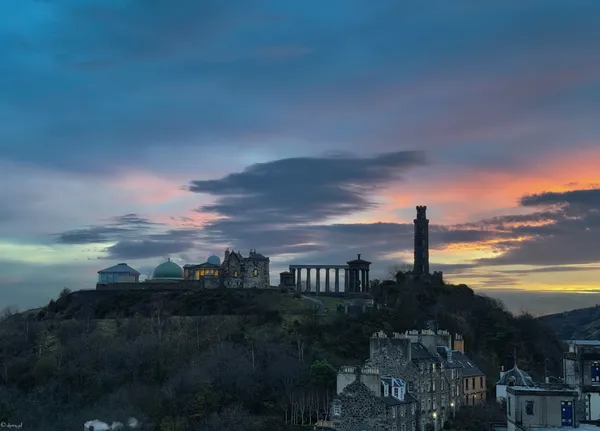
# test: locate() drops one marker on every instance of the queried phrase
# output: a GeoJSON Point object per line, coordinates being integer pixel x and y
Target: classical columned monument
{"type": "Point", "coordinates": [356, 276]}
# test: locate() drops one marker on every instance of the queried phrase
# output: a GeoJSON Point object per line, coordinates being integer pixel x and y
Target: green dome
{"type": "Point", "coordinates": [168, 271]}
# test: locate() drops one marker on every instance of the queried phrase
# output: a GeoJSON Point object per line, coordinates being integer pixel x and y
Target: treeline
{"type": "Point", "coordinates": [215, 373]}
{"type": "Point", "coordinates": [259, 371]}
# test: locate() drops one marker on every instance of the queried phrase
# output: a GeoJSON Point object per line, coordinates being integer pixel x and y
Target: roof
{"type": "Point", "coordinates": [521, 378]}
{"type": "Point", "coordinates": [256, 256]}
{"type": "Point", "coordinates": [583, 342]}
{"type": "Point", "coordinates": [204, 265]}
{"type": "Point", "coordinates": [470, 369]}
{"type": "Point", "coordinates": [359, 261]}
{"type": "Point", "coordinates": [168, 270]}
{"type": "Point", "coordinates": [419, 353]}
{"type": "Point", "coordinates": [120, 268]}
{"type": "Point", "coordinates": [541, 391]}
{"type": "Point", "coordinates": [444, 352]}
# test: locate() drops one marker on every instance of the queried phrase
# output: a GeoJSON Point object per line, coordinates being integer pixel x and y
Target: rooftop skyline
{"type": "Point", "coordinates": [308, 131]}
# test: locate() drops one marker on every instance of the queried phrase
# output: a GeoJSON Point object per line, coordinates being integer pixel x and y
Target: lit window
{"type": "Point", "coordinates": [255, 273]}
{"type": "Point", "coordinates": [235, 273]}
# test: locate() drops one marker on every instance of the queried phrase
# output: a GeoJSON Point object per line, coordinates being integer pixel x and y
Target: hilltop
{"type": "Point", "coordinates": [246, 360]}
{"type": "Point", "coordinates": [579, 324]}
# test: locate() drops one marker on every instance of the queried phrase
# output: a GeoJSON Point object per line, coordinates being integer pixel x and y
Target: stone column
{"type": "Point", "coordinates": [308, 279]}
{"type": "Point", "coordinates": [368, 282]}
{"type": "Point", "coordinates": [346, 280]}
{"type": "Point", "coordinates": [293, 271]}
{"type": "Point", "coordinates": [337, 280]}
{"type": "Point", "coordinates": [327, 280]}
{"type": "Point", "coordinates": [318, 280]}
{"type": "Point", "coordinates": [299, 280]}
{"type": "Point", "coordinates": [363, 275]}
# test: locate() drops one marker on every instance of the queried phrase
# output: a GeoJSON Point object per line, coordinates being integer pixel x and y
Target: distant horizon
{"type": "Point", "coordinates": [309, 133]}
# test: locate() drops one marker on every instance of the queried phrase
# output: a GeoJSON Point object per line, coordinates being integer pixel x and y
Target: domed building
{"type": "Point", "coordinates": [214, 260]}
{"type": "Point", "coordinates": [168, 271]}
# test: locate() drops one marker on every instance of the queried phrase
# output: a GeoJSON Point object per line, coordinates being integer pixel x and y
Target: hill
{"type": "Point", "coordinates": [580, 324]}
{"type": "Point", "coordinates": [249, 361]}
{"type": "Point", "coordinates": [115, 304]}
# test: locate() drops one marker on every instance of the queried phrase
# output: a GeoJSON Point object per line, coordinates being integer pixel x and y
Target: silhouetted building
{"type": "Point", "coordinates": [421, 265]}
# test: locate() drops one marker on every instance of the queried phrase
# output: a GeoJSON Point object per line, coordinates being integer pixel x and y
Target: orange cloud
{"type": "Point", "coordinates": [474, 194]}
{"type": "Point", "coordinates": [148, 189]}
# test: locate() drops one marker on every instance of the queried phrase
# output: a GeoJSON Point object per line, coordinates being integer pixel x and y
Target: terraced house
{"type": "Point", "coordinates": [423, 363]}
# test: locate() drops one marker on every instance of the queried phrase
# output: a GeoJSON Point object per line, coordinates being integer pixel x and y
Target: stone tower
{"type": "Point", "coordinates": [421, 265]}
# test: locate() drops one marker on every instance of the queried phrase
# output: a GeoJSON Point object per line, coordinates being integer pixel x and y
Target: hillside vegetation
{"type": "Point", "coordinates": [263, 364]}
{"type": "Point", "coordinates": [580, 324]}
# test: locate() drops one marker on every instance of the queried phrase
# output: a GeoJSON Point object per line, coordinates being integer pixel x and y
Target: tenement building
{"type": "Point", "coordinates": [423, 363]}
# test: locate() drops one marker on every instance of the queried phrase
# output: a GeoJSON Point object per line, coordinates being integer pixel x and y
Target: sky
{"type": "Point", "coordinates": [135, 130]}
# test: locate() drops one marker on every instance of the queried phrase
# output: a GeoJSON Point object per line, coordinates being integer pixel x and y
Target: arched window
{"type": "Point", "coordinates": [255, 272]}
{"type": "Point", "coordinates": [235, 273]}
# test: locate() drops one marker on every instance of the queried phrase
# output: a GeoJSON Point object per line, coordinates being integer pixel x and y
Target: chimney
{"type": "Point", "coordinates": [459, 343]}
{"type": "Point", "coordinates": [502, 371]}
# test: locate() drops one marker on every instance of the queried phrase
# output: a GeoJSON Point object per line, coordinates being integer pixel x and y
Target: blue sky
{"type": "Point", "coordinates": [132, 131]}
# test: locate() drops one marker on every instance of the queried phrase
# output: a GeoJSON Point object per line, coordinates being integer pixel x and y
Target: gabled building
{"type": "Point", "coordinates": [366, 400]}
{"type": "Point", "coordinates": [474, 381]}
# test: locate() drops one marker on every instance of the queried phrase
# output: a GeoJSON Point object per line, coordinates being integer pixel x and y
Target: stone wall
{"type": "Point", "coordinates": [263, 278]}
{"type": "Point", "coordinates": [361, 409]}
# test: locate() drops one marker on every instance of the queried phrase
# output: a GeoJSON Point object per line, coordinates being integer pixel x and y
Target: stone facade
{"type": "Point", "coordinates": [432, 377]}
{"type": "Point", "coordinates": [236, 271]}
{"type": "Point", "coordinates": [362, 405]}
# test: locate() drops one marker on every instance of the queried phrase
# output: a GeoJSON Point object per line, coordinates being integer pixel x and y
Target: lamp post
{"type": "Point", "coordinates": [453, 409]}
{"type": "Point", "coordinates": [435, 422]}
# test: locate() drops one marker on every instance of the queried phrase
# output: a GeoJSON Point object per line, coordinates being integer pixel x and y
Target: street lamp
{"type": "Point", "coordinates": [435, 422]}
{"type": "Point", "coordinates": [453, 410]}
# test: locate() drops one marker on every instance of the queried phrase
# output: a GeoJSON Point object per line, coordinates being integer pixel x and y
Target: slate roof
{"type": "Point", "coordinates": [419, 353]}
{"type": "Point", "coordinates": [392, 401]}
{"type": "Point", "coordinates": [256, 256]}
{"type": "Point", "coordinates": [443, 352]}
{"type": "Point", "coordinates": [470, 369]}
{"type": "Point", "coordinates": [521, 378]}
{"type": "Point", "coordinates": [121, 268]}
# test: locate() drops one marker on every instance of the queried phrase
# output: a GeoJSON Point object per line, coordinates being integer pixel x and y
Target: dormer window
{"type": "Point", "coordinates": [396, 392]}
{"type": "Point", "coordinates": [337, 410]}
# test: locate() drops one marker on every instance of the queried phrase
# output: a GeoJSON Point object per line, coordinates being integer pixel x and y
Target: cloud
{"type": "Point", "coordinates": [572, 236]}
{"type": "Point", "coordinates": [119, 227]}
{"type": "Point", "coordinates": [303, 190]}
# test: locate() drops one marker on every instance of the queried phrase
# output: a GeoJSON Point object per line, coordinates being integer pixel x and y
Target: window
{"type": "Point", "coordinates": [442, 384]}
{"type": "Point", "coordinates": [394, 411]}
{"type": "Point", "coordinates": [396, 392]}
{"type": "Point", "coordinates": [473, 383]}
{"type": "Point", "coordinates": [595, 372]}
{"type": "Point", "coordinates": [413, 426]}
{"type": "Point", "coordinates": [411, 387]}
{"type": "Point", "coordinates": [401, 411]}
{"type": "Point", "coordinates": [412, 409]}
{"type": "Point", "coordinates": [481, 385]}
{"type": "Point", "coordinates": [467, 384]}
{"type": "Point", "coordinates": [255, 272]}
{"type": "Point", "coordinates": [474, 399]}
{"type": "Point", "coordinates": [337, 410]}
{"type": "Point", "coordinates": [529, 408]}
{"type": "Point", "coordinates": [403, 427]}
{"type": "Point", "coordinates": [235, 273]}
{"type": "Point", "coordinates": [433, 383]}
{"type": "Point", "coordinates": [385, 390]}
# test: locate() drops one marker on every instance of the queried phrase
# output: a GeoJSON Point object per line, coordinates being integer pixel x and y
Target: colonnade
{"type": "Point", "coordinates": [355, 279]}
